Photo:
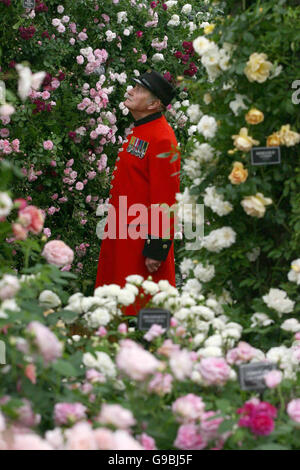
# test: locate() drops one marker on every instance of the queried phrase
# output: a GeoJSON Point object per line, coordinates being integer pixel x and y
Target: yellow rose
{"type": "Point", "coordinates": [254, 116]}
{"type": "Point", "coordinates": [288, 137]}
{"type": "Point", "coordinates": [255, 205]}
{"type": "Point", "coordinates": [243, 141]}
{"type": "Point", "coordinates": [239, 174]}
{"type": "Point", "coordinates": [273, 140]}
{"type": "Point", "coordinates": [209, 28]}
{"type": "Point", "coordinates": [258, 68]}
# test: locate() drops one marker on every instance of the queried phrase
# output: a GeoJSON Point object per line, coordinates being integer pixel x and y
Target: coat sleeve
{"type": "Point", "coordinates": [164, 183]}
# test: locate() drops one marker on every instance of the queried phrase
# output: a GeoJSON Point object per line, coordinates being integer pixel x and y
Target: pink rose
{"type": "Point", "coordinates": [46, 341]}
{"type": "Point", "coordinates": [135, 361]}
{"type": "Point", "coordinates": [48, 144]}
{"type": "Point", "coordinates": [117, 416]}
{"type": "Point", "coordinates": [122, 328]}
{"type": "Point", "coordinates": [147, 442]}
{"type": "Point", "coordinates": [273, 378]}
{"type": "Point", "coordinates": [58, 253]}
{"type": "Point", "coordinates": [161, 384]}
{"type": "Point", "coordinates": [188, 408]}
{"type": "Point", "coordinates": [32, 219]}
{"type": "Point", "coordinates": [262, 424]}
{"type": "Point", "coordinates": [79, 186]}
{"type": "Point", "coordinates": [154, 332]}
{"type": "Point", "coordinates": [102, 331]}
{"type": "Point", "coordinates": [69, 413]}
{"type": "Point", "coordinates": [189, 438]}
{"type": "Point", "coordinates": [29, 441]}
{"type": "Point", "coordinates": [26, 416]}
{"type": "Point", "coordinates": [214, 370]}
{"type": "Point", "coordinates": [93, 376]}
{"type": "Point", "coordinates": [124, 441]}
{"type": "Point", "coordinates": [209, 427]}
{"type": "Point", "coordinates": [104, 438]}
{"type": "Point", "coordinates": [81, 437]}
{"type": "Point", "coordinates": [80, 59]}
{"type": "Point", "coordinates": [293, 410]}
{"type": "Point", "coordinates": [19, 231]}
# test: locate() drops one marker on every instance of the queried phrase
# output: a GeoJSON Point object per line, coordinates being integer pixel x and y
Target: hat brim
{"type": "Point", "coordinates": [141, 83]}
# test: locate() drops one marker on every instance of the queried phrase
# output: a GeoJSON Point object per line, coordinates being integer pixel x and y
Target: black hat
{"type": "Point", "coordinates": [158, 85]}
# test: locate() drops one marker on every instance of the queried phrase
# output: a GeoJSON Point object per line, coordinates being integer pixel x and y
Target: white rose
{"type": "Point", "coordinates": [135, 279]}
{"type": "Point", "coordinates": [6, 204]}
{"type": "Point", "coordinates": [150, 287]}
{"type": "Point", "coordinates": [126, 297]}
{"type": "Point", "coordinates": [9, 304]}
{"type": "Point", "coordinates": [89, 360]}
{"type": "Point", "coordinates": [105, 364]}
{"type": "Point", "coordinates": [260, 319]}
{"type": "Point", "coordinates": [49, 299]}
{"type": "Point", "coordinates": [214, 340]}
{"type": "Point", "coordinates": [199, 338]}
{"type": "Point", "coordinates": [291, 324]}
{"type": "Point", "coordinates": [211, 351]}
{"type": "Point", "coordinates": [205, 312]}
{"type": "Point", "coordinates": [99, 317]}
{"type": "Point", "coordinates": [9, 286]}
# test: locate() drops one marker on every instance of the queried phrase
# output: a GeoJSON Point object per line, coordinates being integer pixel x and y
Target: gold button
{"type": "Point", "coordinates": [121, 150]}
{"type": "Point", "coordinates": [165, 246]}
{"type": "Point", "coordinates": [148, 241]}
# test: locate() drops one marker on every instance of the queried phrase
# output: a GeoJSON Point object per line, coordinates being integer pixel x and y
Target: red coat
{"type": "Point", "coordinates": [144, 179]}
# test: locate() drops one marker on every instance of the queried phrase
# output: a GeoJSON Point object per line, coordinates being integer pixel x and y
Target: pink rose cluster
{"type": "Point", "coordinates": [30, 219]}
{"type": "Point", "coordinates": [197, 436]}
{"type": "Point", "coordinates": [94, 60]}
{"type": "Point", "coordinates": [69, 413]}
{"type": "Point", "coordinates": [7, 147]}
{"type": "Point", "coordinates": [244, 352]}
{"type": "Point", "coordinates": [258, 416]}
{"type": "Point", "coordinates": [81, 436]}
{"type": "Point", "coordinates": [58, 253]}
{"type": "Point", "coordinates": [134, 361]}
{"type": "Point", "coordinates": [154, 332]}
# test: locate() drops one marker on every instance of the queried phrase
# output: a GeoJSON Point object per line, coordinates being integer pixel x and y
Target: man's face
{"type": "Point", "coordinates": [139, 99]}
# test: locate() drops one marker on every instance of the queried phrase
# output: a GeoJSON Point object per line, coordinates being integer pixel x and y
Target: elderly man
{"type": "Point", "coordinates": [143, 182]}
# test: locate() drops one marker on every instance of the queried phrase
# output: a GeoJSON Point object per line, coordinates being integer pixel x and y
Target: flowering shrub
{"type": "Point", "coordinates": [77, 374]}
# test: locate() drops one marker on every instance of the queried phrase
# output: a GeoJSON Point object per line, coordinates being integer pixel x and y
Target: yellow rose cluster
{"type": "Point", "coordinates": [285, 136]}
{"type": "Point", "coordinates": [258, 68]}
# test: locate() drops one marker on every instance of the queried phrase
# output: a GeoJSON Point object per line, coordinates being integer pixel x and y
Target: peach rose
{"type": "Point", "coordinates": [273, 140]}
{"type": "Point", "coordinates": [238, 174]}
{"type": "Point", "coordinates": [254, 116]}
{"type": "Point", "coordinates": [32, 219]}
{"type": "Point", "coordinates": [58, 253]}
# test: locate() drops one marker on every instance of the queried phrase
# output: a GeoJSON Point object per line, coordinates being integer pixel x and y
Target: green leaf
{"type": "Point", "coordinates": [65, 368]}
{"type": "Point", "coordinates": [271, 446]}
{"type": "Point", "coordinates": [226, 425]}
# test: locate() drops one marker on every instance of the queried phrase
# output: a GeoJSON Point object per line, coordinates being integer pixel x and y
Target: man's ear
{"type": "Point", "coordinates": [154, 104]}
